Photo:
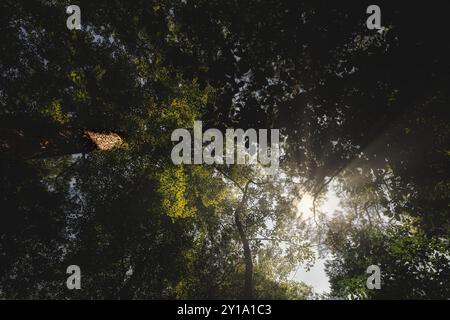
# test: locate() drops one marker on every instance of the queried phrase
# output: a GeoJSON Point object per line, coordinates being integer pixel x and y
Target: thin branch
{"type": "Point", "coordinates": [317, 193]}
{"type": "Point", "coordinates": [226, 175]}
{"type": "Point", "coordinates": [270, 239]}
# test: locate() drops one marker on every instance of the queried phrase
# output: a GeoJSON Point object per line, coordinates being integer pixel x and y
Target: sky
{"type": "Point", "coordinates": [316, 276]}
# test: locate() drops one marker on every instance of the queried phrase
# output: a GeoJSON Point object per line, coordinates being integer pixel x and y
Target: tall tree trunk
{"type": "Point", "coordinates": [248, 282]}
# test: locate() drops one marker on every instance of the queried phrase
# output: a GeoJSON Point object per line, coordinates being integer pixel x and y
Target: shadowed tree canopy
{"type": "Point", "coordinates": [86, 118]}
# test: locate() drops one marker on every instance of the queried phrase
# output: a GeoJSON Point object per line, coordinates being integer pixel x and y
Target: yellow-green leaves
{"type": "Point", "coordinates": [99, 72]}
{"type": "Point", "coordinates": [173, 190]}
{"type": "Point", "coordinates": [79, 80]}
{"type": "Point", "coordinates": [184, 106]}
{"type": "Point", "coordinates": [54, 111]}
{"type": "Point", "coordinates": [211, 191]}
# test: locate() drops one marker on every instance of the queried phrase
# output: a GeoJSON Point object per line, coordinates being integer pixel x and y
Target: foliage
{"type": "Point", "coordinates": [368, 110]}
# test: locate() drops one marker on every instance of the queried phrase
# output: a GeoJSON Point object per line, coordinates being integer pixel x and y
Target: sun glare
{"type": "Point", "coordinates": [305, 205]}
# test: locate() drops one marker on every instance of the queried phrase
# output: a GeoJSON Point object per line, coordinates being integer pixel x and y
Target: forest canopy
{"type": "Point", "coordinates": [87, 178]}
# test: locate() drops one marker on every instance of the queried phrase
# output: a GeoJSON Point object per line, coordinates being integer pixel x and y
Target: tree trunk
{"type": "Point", "coordinates": [248, 282]}
{"type": "Point", "coordinates": [43, 142]}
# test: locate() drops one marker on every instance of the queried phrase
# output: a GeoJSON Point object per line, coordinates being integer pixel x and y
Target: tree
{"type": "Point", "coordinates": [413, 265]}
{"type": "Point", "coordinates": [366, 109]}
